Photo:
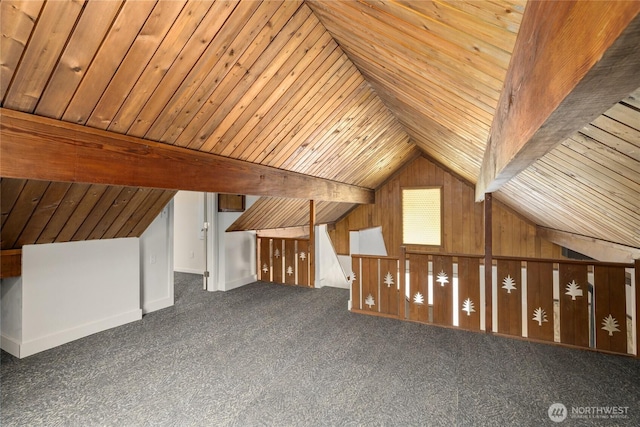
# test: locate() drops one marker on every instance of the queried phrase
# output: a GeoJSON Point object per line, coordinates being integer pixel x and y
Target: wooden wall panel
{"type": "Point", "coordinates": [469, 289]}
{"type": "Point", "coordinates": [265, 260]}
{"type": "Point", "coordinates": [277, 248]}
{"type": "Point", "coordinates": [284, 261]}
{"type": "Point", "coordinates": [463, 231]}
{"type": "Point", "coordinates": [540, 300]}
{"type": "Point", "coordinates": [303, 263]}
{"type": "Point", "coordinates": [509, 298]}
{"type": "Point", "coordinates": [574, 305]}
{"type": "Point", "coordinates": [370, 287]}
{"type": "Point", "coordinates": [290, 265]}
{"type": "Point", "coordinates": [443, 290]}
{"type": "Point", "coordinates": [369, 280]}
{"type": "Point", "coordinates": [389, 293]}
{"type": "Point", "coordinates": [419, 288]}
{"type": "Point", "coordinates": [514, 236]}
{"type": "Point", "coordinates": [610, 309]}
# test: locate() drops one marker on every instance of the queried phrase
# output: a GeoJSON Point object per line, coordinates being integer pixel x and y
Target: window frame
{"type": "Point", "coordinates": [440, 188]}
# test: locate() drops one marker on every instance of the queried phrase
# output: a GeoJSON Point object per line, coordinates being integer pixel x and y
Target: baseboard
{"type": "Point", "coordinates": [10, 345]}
{"type": "Point", "coordinates": [240, 282]}
{"type": "Point", "coordinates": [37, 345]}
{"type": "Point", "coordinates": [334, 285]}
{"type": "Point", "coordinates": [188, 270]}
{"type": "Point", "coordinates": [158, 304]}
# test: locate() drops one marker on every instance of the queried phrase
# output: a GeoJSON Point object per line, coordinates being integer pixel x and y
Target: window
{"type": "Point", "coordinates": [422, 216]}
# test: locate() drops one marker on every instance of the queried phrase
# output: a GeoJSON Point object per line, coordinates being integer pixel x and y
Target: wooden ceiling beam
{"type": "Point", "coordinates": [592, 247]}
{"type": "Point", "coordinates": [40, 148]}
{"type": "Point", "coordinates": [572, 61]}
{"type": "Point", "coordinates": [298, 232]}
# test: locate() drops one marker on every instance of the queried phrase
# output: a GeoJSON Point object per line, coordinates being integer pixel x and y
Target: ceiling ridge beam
{"type": "Point", "coordinates": [34, 147]}
{"type": "Point", "coordinates": [572, 61]}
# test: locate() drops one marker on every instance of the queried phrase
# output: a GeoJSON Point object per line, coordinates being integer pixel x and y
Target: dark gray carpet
{"type": "Point", "coordinates": [274, 355]}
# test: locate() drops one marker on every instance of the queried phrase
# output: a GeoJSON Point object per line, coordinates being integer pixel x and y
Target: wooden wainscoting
{"type": "Point", "coordinates": [375, 285]}
{"type": "Point", "coordinates": [585, 304]}
{"type": "Point", "coordinates": [285, 261]}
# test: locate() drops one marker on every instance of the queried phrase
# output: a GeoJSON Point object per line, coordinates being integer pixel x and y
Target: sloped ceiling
{"type": "Point", "coordinates": [343, 90]}
{"type": "Point", "coordinates": [439, 66]}
{"type": "Point", "coordinates": [35, 212]}
{"type": "Point", "coordinates": [590, 184]}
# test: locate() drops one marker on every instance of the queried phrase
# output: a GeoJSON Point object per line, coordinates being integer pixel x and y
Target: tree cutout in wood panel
{"type": "Point", "coordinates": [540, 302]}
{"type": "Point", "coordinates": [276, 253]}
{"type": "Point", "coordinates": [610, 308]}
{"type": "Point", "coordinates": [351, 277]}
{"type": "Point", "coordinates": [265, 268]}
{"type": "Point", "coordinates": [573, 290]}
{"type": "Point", "coordinates": [539, 315]}
{"type": "Point", "coordinates": [469, 292]}
{"type": "Point", "coordinates": [610, 324]}
{"type": "Point", "coordinates": [388, 296]}
{"type": "Point", "coordinates": [442, 278]}
{"type": "Point", "coordinates": [388, 279]}
{"type": "Point", "coordinates": [289, 258]}
{"type": "Point", "coordinates": [302, 256]}
{"type": "Point", "coordinates": [370, 301]}
{"type": "Point", "coordinates": [467, 306]}
{"type": "Point", "coordinates": [509, 284]}
{"type": "Point", "coordinates": [418, 298]}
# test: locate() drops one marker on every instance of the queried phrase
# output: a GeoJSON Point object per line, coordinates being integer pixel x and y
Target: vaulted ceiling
{"type": "Point", "coordinates": [340, 94]}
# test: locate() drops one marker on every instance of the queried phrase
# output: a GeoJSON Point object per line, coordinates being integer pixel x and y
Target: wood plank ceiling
{"type": "Point", "coordinates": [262, 82]}
{"type": "Point", "coordinates": [343, 90]}
{"type": "Point", "coordinates": [439, 66]}
{"type": "Point", "coordinates": [598, 169]}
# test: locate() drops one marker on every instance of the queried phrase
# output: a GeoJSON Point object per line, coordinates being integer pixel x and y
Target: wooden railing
{"type": "Point", "coordinates": [445, 290]}
{"type": "Point", "coordinates": [284, 261]}
{"type": "Point", "coordinates": [375, 285]}
{"type": "Point", "coordinates": [579, 303]}
{"type": "Point", "coordinates": [587, 304]}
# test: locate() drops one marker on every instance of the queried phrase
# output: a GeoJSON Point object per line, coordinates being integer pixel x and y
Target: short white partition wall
{"type": "Point", "coordinates": [11, 312]}
{"type": "Point", "coordinates": [329, 271]}
{"type": "Point", "coordinates": [156, 262]}
{"type": "Point", "coordinates": [71, 290]}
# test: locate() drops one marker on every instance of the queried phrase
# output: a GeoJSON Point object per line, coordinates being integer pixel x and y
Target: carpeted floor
{"type": "Point", "coordinates": [281, 356]}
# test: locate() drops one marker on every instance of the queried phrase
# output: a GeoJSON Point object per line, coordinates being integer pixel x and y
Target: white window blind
{"type": "Point", "coordinates": [421, 216]}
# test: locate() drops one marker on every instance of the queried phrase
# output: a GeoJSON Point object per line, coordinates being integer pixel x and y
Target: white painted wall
{"type": "Point", "coordinates": [329, 272]}
{"type": "Point", "coordinates": [156, 262]}
{"type": "Point", "coordinates": [368, 241]}
{"type": "Point", "coordinates": [236, 251]}
{"type": "Point", "coordinates": [71, 290]}
{"type": "Point", "coordinates": [11, 314]}
{"type": "Point", "coordinates": [230, 257]}
{"type": "Point", "coordinates": [188, 243]}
